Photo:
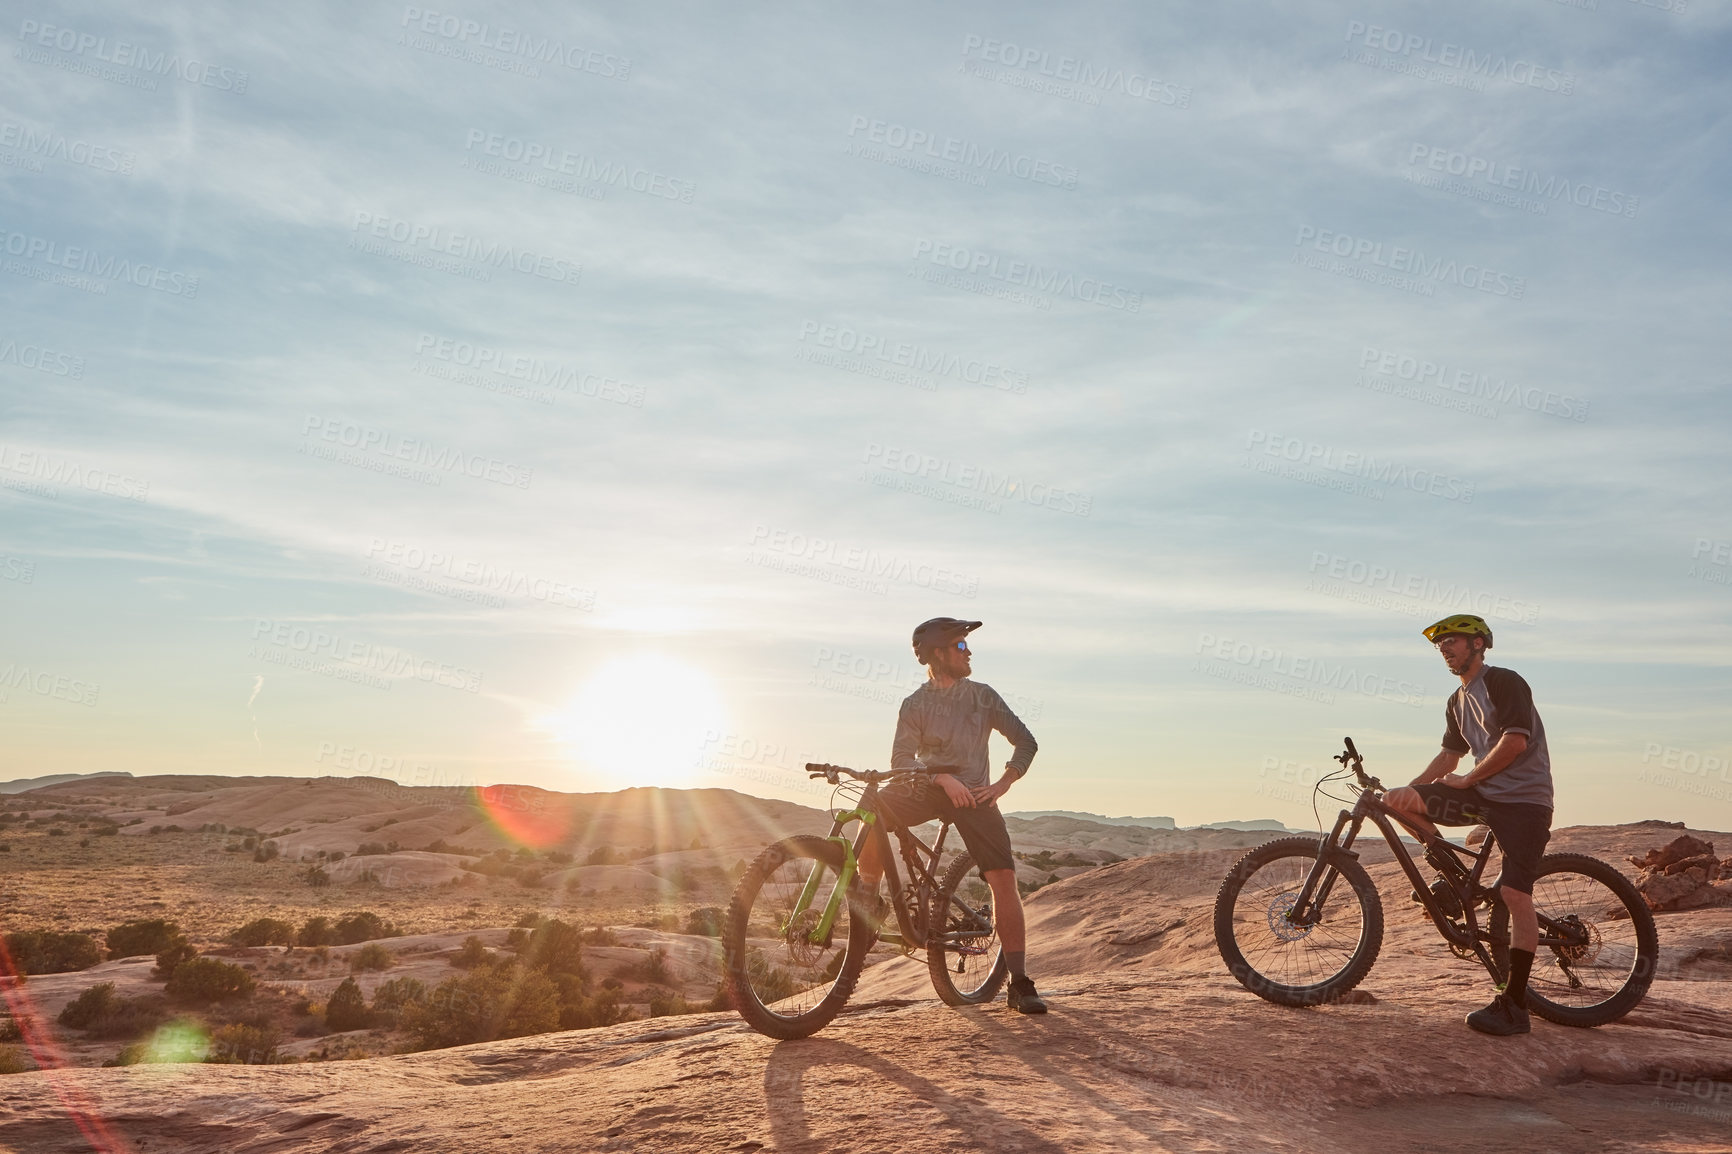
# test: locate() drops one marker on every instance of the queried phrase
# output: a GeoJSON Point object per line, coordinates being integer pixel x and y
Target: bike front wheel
{"type": "Point", "coordinates": [1288, 963]}
{"type": "Point", "coordinates": [785, 978]}
{"type": "Point", "coordinates": [962, 948]}
{"type": "Point", "coordinates": [1598, 945]}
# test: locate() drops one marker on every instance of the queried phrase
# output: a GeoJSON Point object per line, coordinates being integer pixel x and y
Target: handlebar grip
{"type": "Point", "coordinates": [1351, 752]}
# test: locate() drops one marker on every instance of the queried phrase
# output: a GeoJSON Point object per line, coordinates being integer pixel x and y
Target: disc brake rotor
{"type": "Point", "coordinates": [1584, 951]}
{"type": "Point", "coordinates": [1278, 923]}
{"type": "Point", "coordinates": [801, 948]}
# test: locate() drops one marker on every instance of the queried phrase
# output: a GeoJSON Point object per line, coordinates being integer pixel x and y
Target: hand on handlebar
{"type": "Point", "coordinates": [960, 796]}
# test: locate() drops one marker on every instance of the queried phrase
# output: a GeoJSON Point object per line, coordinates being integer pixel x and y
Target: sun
{"type": "Point", "coordinates": [644, 720]}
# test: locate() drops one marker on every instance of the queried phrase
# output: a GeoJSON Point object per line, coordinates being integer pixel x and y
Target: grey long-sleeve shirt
{"type": "Point", "coordinates": [950, 727]}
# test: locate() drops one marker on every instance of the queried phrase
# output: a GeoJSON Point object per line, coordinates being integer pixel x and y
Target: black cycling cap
{"type": "Point", "coordinates": [941, 629]}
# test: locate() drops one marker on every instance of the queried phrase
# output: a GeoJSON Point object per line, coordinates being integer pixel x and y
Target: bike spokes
{"type": "Point", "coordinates": [1589, 947]}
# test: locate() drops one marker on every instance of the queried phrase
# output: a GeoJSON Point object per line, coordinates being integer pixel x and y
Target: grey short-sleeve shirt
{"type": "Point", "coordinates": [1497, 702]}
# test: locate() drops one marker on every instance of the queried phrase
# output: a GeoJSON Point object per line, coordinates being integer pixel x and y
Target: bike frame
{"type": "Point", "coordinates": [922, 861]}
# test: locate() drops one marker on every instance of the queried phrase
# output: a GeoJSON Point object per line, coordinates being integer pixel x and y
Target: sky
{"type": "Point", "coordinates": [597, 396]}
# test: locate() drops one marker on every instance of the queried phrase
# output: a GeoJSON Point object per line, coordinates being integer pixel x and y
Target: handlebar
{"type": "Point", "coordinates": [1352, 759]}
{"type": "Point", "coordinates": [834, 773]}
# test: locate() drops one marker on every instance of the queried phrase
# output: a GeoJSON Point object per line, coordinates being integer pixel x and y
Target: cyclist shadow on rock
{"type": "Point", "coordinates": [973, 1122]}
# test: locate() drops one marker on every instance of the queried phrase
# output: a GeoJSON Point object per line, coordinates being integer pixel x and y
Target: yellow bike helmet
{"type": "Point", "coordinates": [1463, 623]}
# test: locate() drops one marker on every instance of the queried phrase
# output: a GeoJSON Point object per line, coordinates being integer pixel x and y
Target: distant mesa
{"type": "Point", "coordinates": [20, 785]}
{"type": "Point", "coordinates": [1147, 822]}
{"type": "Point", "coordinates": [1253, 825]}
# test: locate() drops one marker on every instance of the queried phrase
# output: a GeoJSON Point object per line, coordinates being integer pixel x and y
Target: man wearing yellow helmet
{"type": "Point", "coordinates": [1509, 789]}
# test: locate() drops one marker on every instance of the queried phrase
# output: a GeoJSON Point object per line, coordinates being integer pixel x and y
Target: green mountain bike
{"type": "Point", "coordinates": [800, 926]}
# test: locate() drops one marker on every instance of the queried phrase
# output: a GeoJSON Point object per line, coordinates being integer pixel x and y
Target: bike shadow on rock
{"type": "Point", "coordinates": [834, 1075]}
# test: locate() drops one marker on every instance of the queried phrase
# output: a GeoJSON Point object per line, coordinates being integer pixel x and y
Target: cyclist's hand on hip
{"type": "Point", "coordinates": [959, 795]}
{"type": "Point", "coordinates": [987, 794]}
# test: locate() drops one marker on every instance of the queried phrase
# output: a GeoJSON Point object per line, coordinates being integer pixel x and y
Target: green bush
{"type": "Point", "coordinates": [151, 936]}
{"type": "Point", "coordinates": [266, 852]}
{"type": "Point", "coordinates": [201, 981]}
{"type": "Point", "coordinates": [653, 969]}
{"type": "Point", "coordinates": [316, 932]}
{"type": "Point", "coordinates": [347, 1009]}
{"type": "Point", "coordinates": [705, 921]}
{"type": "Point", "coordinates": [52, 952]}
{"type": "Point", "coordinates": [503, 1001]}
{"type": "Point", "coordinates": [173, 955]}
{"type": "Point", "coordinates": [372, 956]}
{"type": "Point", "coordinates": [102, 1013]}
{"type": "Point", "coordinates": [664, 1003]}
{"type": "Point", "coordinates": [472, 954]}
{"type": "Point", "coordinates": [264, 932]}
{"type": "Point", "coordinates": [556, 948]}
{"type": "Point", "coordinates": [317, 877]}
{"type": "Point", "coordinates": [245, 1044]}
{"type": "Point", "coordinates": [362, 926]}
{"type": "Point", "coordinates": [395, 997]}
{"type": "Point", "coordinates": [588, 1013]}
{"type": "Point", "coordinates": [13, 1061]}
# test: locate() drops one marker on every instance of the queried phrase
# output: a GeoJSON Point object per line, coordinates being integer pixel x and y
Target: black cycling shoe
{"type": "Point", "coordinates": [1502, 1018]}
{"type": "Point", "coordinates": [1024, 998]}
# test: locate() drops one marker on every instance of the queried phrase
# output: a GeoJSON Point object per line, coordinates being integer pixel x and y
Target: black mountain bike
{"type": "Point", "coordinates": [1298, 920]}
{"type": "Point", "coordinates": [800, 925]}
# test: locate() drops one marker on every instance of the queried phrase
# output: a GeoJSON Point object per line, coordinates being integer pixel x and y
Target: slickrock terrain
{"type": "Point", "coordinates": [1150, 1045]}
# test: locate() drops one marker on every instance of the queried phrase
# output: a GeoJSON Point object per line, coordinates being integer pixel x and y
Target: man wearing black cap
{"type": "Point", "coordinates": [943, 727]}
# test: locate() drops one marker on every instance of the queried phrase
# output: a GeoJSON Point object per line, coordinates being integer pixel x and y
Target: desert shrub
{"type": "Point", "coordinates": [337, 855]}
{"type": "Point", "coordinates": [266, 852]}
{"type": "Point", "coordinates": [472, 954]}
{"type": "Point", "coordinates": [9, 1031]}
{"type": "Point", "coordinates": [503, 1001]}
{"type": "Point", "coordinates": [372, 956]}
{"type": "Point", "coordinates": [528, 920]}
{"type": "Point", "coordinates": [516, 939]}
{"type": "Point", "coordinates": [151, 936]}
{"type": "Point", "coordinates": [102, 1013]}
{"type": "Point", "coordinates": [5, 847]}
{"type": "Point", "coordinates": [347, 1008]}
{"type": "Point", "coordinates": [530, 879]}
{"type": "Point", "coordinates": [52, 952]}
{"type": "Point", "coordinates": [393, 998]}
{"type": "Point", "coordinates": [57, 831]}
{"type": "Point", "coordinates": [316, 932]}
{"type": "Point", "coordinates": [653, 969]}
{"type": "Point", "coordinates": [317, 877]}
{"type": "Point", "coordinates": [362, 926]}
{"type": "Point", "coordinates": [601, 855]}
{"type": "Point", "coordinates": [555, 947]}
{"type": "Point", "coordinates": [172, 957]}
{"type": "Point", "coordinates": [664, 1003]}
{"type": "Point", "coordinates": [705, 921]}
{"type": "Point", "coordinates": [244, 1044]}
{"type": "Point", "coordinates": [557, 857]}
{"type": "Point", "coordinates": [604, 1009]}
{"type": "Point", "coordinates": [264, 932]}
{"type": "Point", "coordinates": [13, 1061]}
{"type": "Point", "coordinates": [201, 981]}
{"type": "Point", "coordinates": [370, 849]}
{"type": "Point", "coordinates": [600, 936]}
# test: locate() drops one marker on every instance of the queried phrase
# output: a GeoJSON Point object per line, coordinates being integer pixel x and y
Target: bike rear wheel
{"type": "Point", "coordinates": [1613, 946]}
{"type": "Point", "coordinates": [964, 958]}
{"type": "Point", "coordinates": [1288, 964]}
{"type": "Point", "coordinates": [782, 982]}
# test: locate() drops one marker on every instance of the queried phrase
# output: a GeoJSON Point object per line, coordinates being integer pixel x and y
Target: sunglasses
{"type": "Point", "coordinates": [962, 647]}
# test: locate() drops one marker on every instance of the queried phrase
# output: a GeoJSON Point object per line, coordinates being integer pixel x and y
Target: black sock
{"type": "Point", "coordinates": [1018, 958]}
{"type": "Point", "coordinates": [1520, 963]}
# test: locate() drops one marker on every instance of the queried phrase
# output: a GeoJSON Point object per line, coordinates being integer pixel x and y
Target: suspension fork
{"type": "Point", "coordinates": [1314, 894]}
{"type": "Point", "coordinates": [820, 933]}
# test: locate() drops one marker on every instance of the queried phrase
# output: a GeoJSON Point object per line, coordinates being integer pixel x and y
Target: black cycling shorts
{"type": "Point", "coordinates": [1522, 829]}
{"type": "Point", "coordinates": [981, 826]}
